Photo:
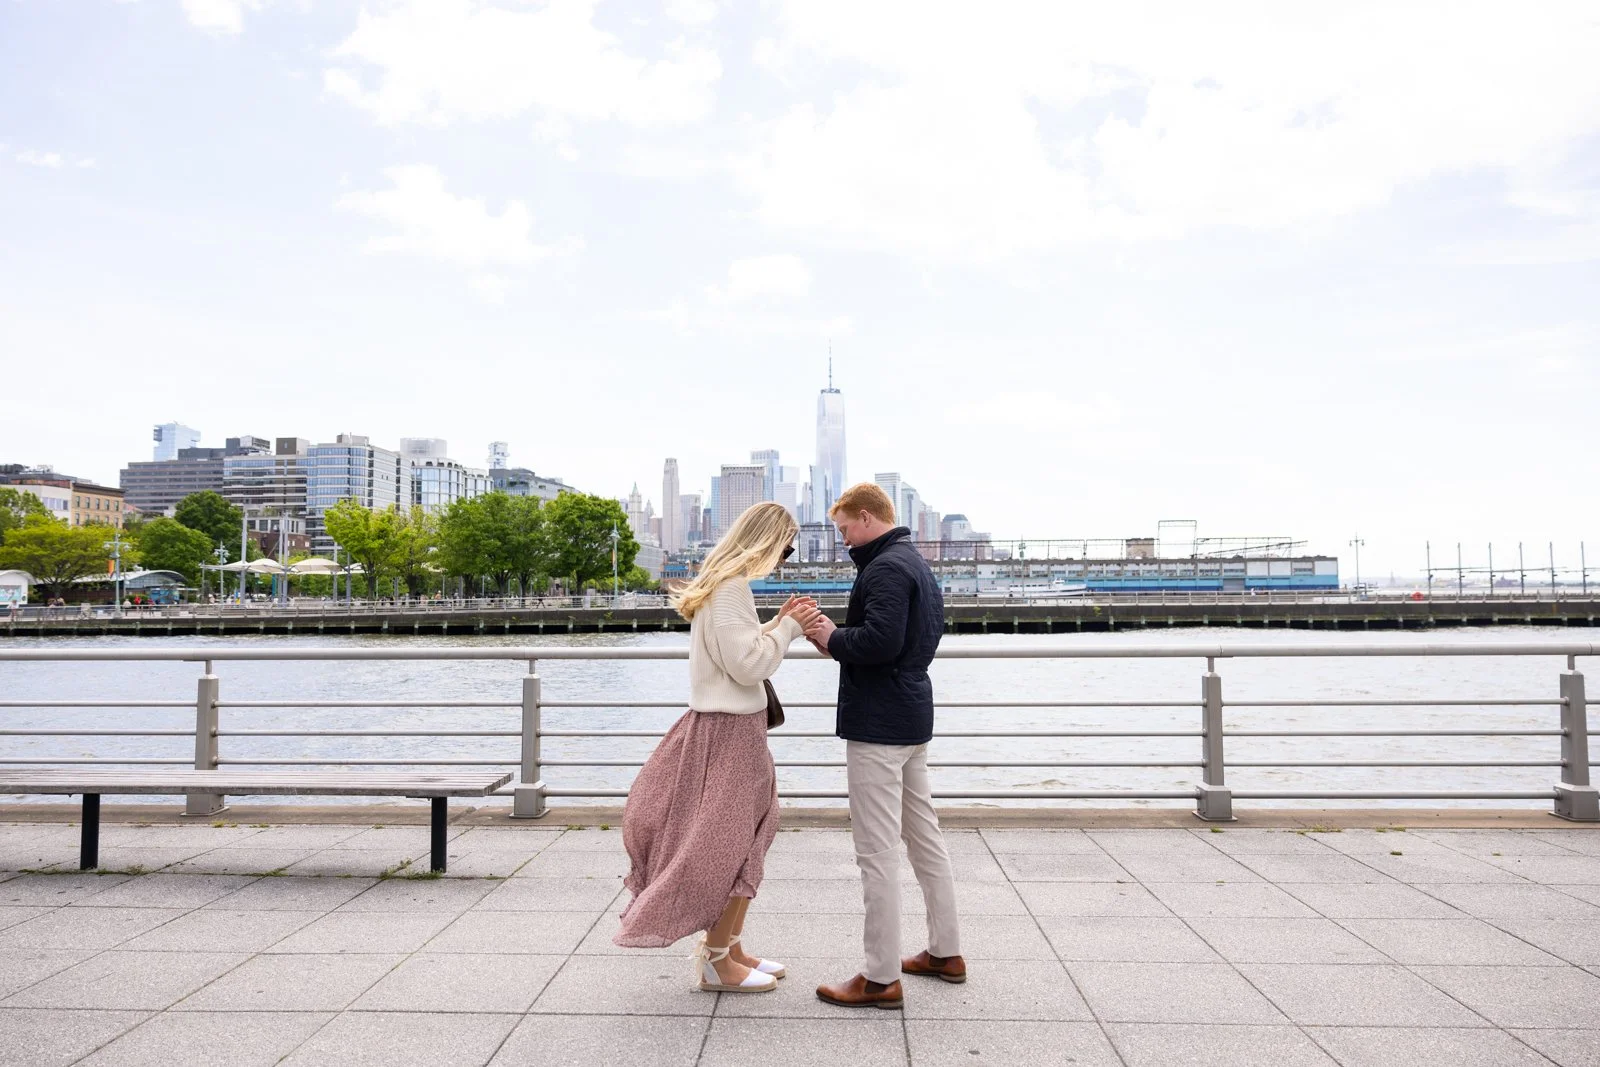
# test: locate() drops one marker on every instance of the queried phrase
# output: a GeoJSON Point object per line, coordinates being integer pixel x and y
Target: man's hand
{"type": "Point", "coordinates": [819, 630]}
{"type": "Point", "coordinates": [822, 648]}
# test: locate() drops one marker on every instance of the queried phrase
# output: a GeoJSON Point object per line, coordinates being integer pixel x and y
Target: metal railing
{"type": "Point", "coordinates": [1572, 796]}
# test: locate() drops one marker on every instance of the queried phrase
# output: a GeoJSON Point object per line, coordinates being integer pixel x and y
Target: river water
{"type": "Point", "coordinates": [1154, 680]}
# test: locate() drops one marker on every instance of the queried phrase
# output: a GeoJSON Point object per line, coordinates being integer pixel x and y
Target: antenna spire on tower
{"type": "Point", "coordinates": [830, 364]}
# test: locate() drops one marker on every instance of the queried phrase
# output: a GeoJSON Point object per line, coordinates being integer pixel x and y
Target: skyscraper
{"type": "Point", "coordinates": [172, 437]}
{"type": "Point", "coordinates": [830, 443]}
{"type": "Point", "coordinates": [672, 534]}
{"type": "Point", "coordinates": [738, 487]}
{"type": "Point", "coordinates": [768, 458]}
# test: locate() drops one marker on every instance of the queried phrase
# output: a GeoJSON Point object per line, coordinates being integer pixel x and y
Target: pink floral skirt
{"type": "Point", "coordinates": [699, 820]}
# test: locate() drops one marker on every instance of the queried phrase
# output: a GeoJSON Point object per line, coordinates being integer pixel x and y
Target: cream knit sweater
{"type": "Point", "coordinates": [731, 652]}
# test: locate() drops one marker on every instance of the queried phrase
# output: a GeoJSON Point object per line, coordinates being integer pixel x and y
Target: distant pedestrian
{"type": "Point", "coordinates": [704, 809]}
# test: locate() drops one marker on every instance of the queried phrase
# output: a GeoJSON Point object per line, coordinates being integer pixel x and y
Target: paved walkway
{"type": "Point", "coordinates": [1132, 947]}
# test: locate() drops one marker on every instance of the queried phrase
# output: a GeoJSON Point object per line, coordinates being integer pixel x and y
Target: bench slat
{"type": "Point", "coordinates": [257, 783]}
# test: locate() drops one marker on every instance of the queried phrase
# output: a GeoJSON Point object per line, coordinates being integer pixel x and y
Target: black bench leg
{"type": "Point", "coordinates": [439, 822]}
{"type": "Point", "coordinates": [89, 850]}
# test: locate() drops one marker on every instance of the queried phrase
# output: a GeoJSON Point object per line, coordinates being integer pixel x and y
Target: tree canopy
{"type": "Point", "coordinates": [369, 537]}
{"type": "Point", "coordinates": [211, 514]}
{"type": "Point", "coordinates": [579, 532]}
{"type": "Point", "coordinates": [56, 554]}
{"type": "Point", "coordinates": [168, 545]}
{"type": "Point", "coordinates": [16, 506]}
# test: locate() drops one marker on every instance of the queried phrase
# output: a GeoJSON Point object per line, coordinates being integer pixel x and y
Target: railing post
{"type": "Point", "coordinates": [1213, 799]}
{"type": "Point", "coordinates": [1576, 799]}
{"type": "Point", "coordinates": [205, 744]}
{"type": "Point", "coordinates": [528, 797]}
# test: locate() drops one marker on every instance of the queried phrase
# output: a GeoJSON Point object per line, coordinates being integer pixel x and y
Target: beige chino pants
{"type": "Point", "coordinates": [891, 802]}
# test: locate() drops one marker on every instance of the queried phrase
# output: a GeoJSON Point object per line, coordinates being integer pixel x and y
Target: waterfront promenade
{"type": "Point", "coordinates": [262, 941]}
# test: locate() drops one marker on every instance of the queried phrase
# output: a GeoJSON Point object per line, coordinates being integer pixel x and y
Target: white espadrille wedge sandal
{"type": "Point", "coordinates": [710, 981]}
{"type": "Point", "coordinates": [772, 967]}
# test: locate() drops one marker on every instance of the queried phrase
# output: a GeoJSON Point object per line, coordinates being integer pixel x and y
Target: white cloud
{"type": "Point", "coordinates": [761, 277]}
{"type": "Point", "coordinates": [427, 220]}
{"type": "Point", "coordinates": [1029, 126]}
{"type": "Point", "coordinates": [438, 61]}
{"type": "Point", "coordinates": [39, 159]}
{"type": "Point", "coordinates": [491, 288]}
{"type": "Point", "coordinates": [220, 16]}
{"type": "Point", "coordinates": [691, 12]}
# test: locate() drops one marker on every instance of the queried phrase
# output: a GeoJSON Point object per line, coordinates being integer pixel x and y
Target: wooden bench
{"type": "Point", "coordinates": [93, 783]}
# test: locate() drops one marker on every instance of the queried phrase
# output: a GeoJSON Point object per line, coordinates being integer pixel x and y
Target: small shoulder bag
{"type": "Point", "coordinates": [774, 705]}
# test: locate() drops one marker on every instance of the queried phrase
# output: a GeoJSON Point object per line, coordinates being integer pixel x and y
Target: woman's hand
{"type": "Point", "coordinates": [802, 609]}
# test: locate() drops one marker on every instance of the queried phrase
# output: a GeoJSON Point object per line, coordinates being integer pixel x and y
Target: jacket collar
{"type": "Point", "coordinates": [872, 549]}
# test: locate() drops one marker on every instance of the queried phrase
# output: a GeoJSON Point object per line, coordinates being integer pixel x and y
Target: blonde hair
{"type": "Point", "coordinates": [752, 547]}
{"type": "Point", "coordinates": [865, 496]}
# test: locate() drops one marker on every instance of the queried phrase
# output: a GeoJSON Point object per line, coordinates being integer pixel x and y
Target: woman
{"type": "Point", "coordinates": [703, 811]}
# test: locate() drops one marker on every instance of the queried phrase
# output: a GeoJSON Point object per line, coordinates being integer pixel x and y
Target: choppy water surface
{"type": "Point", "coordinates": [1399, 678]}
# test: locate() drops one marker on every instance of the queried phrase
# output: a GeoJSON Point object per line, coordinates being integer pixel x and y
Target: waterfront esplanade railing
{"type": "Point", "coordinates": [1571, 795]}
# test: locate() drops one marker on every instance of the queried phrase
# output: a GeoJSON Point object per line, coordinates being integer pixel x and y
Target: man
{"type": "Point", "coordinates": [892, 627]}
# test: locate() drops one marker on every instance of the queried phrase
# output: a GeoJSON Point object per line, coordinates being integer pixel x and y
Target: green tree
{"type": "Point", "coordinates": [416, 537]}
{"type": "Point", "coordinates": [370, 538]}
{"type": "Point", "coordinates": [498, 536]}
{"type": "Point", "coordinates": [213, 516]}
{"type": "Point", "coordinates": [16, 506]}
{"type": "Point", "coordinates": [54, 553]}
{"type": "Point", "coordinates": [578, 530]}
{"type": "Point", "coordinates": [168, 545]}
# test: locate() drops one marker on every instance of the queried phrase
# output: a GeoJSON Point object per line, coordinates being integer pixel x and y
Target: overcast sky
{"type": "Point", "coordinates": [1082, 267]}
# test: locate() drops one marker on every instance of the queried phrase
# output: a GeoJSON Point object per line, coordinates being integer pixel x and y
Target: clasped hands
{"type": "Point", "coordinates": [818, 627]}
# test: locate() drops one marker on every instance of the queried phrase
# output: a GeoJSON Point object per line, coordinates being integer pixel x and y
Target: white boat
{"type": "Point", "coordinates": [1059, 587]}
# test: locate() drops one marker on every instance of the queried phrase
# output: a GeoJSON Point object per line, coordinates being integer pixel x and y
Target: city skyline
{"type": "Point", "coordinates": [1083, 268]}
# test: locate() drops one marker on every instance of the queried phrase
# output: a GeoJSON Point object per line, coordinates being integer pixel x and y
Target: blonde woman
{"type": "Point", "coordinates": [704, 809]}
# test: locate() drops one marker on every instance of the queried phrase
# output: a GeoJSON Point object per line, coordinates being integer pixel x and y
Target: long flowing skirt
{"type": "Point", "coordinates": [698, 822]}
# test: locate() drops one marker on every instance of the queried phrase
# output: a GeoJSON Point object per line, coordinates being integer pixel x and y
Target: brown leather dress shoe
{"type": "Point", "coordinates": [860, 993]}
{"type": "Point", "coordinates": [950, 968]}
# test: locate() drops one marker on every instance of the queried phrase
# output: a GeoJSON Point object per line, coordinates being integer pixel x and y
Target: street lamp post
{"type": "Point", "coordinates": [1356, 543]}
{"type": "Point", "coordinates": [222, 559]}
{"type": "Point", "coordinates": [114, 546]}
{"type": "Point", "coordinates": [616, 538]}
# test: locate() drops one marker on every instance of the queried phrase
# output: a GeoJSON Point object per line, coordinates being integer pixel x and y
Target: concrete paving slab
{"type": "Point", "coordinates": [1114, 939]}
{"type": "Point", "coordinates": [1012, 989]}
{"type": "Point", "coordinates": [1439, 868]}
{"type": "Point", "coordinates": [1228, 900]}
{"type": "Point", "coordinates": [840, 896]}
{"type": "Point", "coordinates": [802, 865]}
{"type": "Point", "coordinates": [84, 929]}
{"type": "Point", "coordinates": [237, 1038]}
{"type": "Point", "coordinates": [972, 899]}
{"type": "Point", "coordinates": [1325, 866]}
{"type": "Point", "coordinates": [1524, 901]}
{"type": "Point", "coordinates": [597, 940]}
{"type": "Point", "coordinates": [292, 983]}
{"type": "Point", "coordinates": [1569, 1048]}
{"type": "Point", "coordinates": [1485, 844]}
{"type": "Point", "coordinates": [1212, 867]}
{"type": "Point", "coordinates": [514, 933]}
{"type": "Point", "coordinates": [636, 1040]}
{"type": "Point", "coordinates": [40, 857]}
{"type": "Point", "coordinates": [11, 916]}
{"type": "Point", "coordinates": [1239, 842]}
{"type": "Point", "coordinates": [139, 860]}
{"type": "Point", "coordinates": [488, 863]}
{"type": "Point", "coordinates": [1069, 867]}
{"type": "Point", "coordinates": [363, 862]}
{"type": "Point", "coordinates": [363, 932]}
{"type": "Point", "coordinates": [395, 838]}
{"type": "Point", "coordinates": [1574, 941]}
{"type": "Point", "coordinates": [166, 891]}
{"type": "Point", "coordinates": [1522, 996]}
{"type": "Point", "coordinates": [36, 1037]}
{"type": "Point", "coordinates": [1372, 843]}
{"type": "Point", "coordinates": [511, 838]}
{"type": "Point", "coordinates": [4, 874]}
{"type": "Point", "coordinates": [816, 842]}
{"type": "Point", "coordinates": [1356, 995]}
{"type": "Point", "coordinates": [440, 895]}
{"type": "Point", "coordinates": [256, 861]}
{"type": "Point", "coordinates": [1583, 840]}
{"type": "Point", "coordinates": [204, 930]}
{"type": "Point", "coordinates": [380, 1039]}
{"type": "Point", "coordinates": [288, 893]}
{"type": "Point", "coordinates": [300, 838]}
{"type": "Point", "coordinates": [1552, 870]}
{"type": "Point", "coordinates": [1172, 843]}
{"type": "Point", "coordinates": [19, 969]}
{"type": "Point", "coordinates": [609, 864]}
{"type": "Point", "coordinates": [147, 980]}
{"type": "Point", "coordinates": [805, 1042]}
{"type": "Point", "coordinates": [968, 867]}
{"type": "Point", "coordinates": [1045, 842]}
{"type": "Point", "coordinates": [1090, 898]}
{"type": "Point", "coordinates": [588, 841]}
{"type": "Point", "coordinates": [1278, 940]}
{"type": "Point", "coordinates": [199, 836]}
{"type": "Point", "coordinates": [626, 985]}
{"type": "Point", "coordinates": [461, 982]}
{"type": "Point", "coordinates": [551, 894]}
{"type": "Point", "coordinates": [1591, 893]}
{"type": "Point", "coordinates": [959, 1042]}
{"type": "Point", "coordinates": [1366, 1046]}
{"type": "Point", "coordinates": [1389, 900]}
{"type": "Point", "coordinates": [796, 995]}
{"type": "Point", "coordinates": [54, 890]}
{"type": "Point", "coordinates": [1198, 1045]}
{"type": "Point", "coordinates": [1448, 941]}
{"type": "Point", "coordinates": [1171, 993]}
{"type": "Point", "coordinates": [983, 937]}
